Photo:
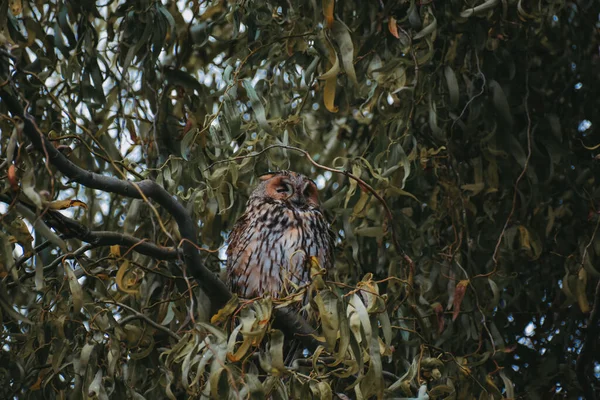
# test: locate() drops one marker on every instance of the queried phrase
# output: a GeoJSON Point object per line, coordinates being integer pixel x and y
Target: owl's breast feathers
{"type": "Point", "coordinates": [270, 246]}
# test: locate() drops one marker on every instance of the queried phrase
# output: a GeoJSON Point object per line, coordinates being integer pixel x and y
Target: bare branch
{"type": "Point", "coordinates": [70, 228]}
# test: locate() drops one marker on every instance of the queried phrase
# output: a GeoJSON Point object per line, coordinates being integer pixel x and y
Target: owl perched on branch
{"type": "Point", "coordinates": [271, 244]}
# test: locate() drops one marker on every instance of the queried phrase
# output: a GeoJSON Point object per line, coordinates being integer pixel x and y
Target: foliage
{"type": "Point", "coordinates": [455, 146]}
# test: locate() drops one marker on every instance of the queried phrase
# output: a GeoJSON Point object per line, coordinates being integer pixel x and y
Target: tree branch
{"type": "Point", "coordinates": [210, 283]}
{"type": "Point", "coordinates": [143, 317]}
{"type": "Point", "coordinates": [289, 322]}
{"type": "Point", "coordinates": [70, 228]}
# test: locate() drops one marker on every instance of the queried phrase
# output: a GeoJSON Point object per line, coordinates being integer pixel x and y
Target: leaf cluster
{"type": "Point", "coordinates": [455, 146]}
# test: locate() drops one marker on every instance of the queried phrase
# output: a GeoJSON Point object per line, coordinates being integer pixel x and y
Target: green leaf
{"type": "Point", "coordinates": [428, 30]}
{"type": "Point", "coordinates": [452, 83]}
{"type": "Point", "coordinates": [341, 35]}
{"type": "Point", "coordinates": [257, 107]}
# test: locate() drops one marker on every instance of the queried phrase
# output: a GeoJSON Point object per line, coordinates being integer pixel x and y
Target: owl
{"type": "Point", "coordinates": [271, 244]}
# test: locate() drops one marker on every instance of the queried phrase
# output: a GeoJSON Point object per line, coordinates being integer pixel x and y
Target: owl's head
{"type": "Point", "coordinates": [291, 188]}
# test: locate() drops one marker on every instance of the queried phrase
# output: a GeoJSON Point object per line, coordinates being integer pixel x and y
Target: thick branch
{"type": "Point", "coordinates": [210, 283]}
{"type": "Point", "coordinates": [71, 228]}
{"type": "Point", "coordinates": [290, 323]}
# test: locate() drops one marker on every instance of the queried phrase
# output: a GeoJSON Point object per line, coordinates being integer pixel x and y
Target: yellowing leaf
{"type": "Point", "coordinates": [329, 94]}
{"type": "Point", "coordinates": [12, 177]}
{"type": "Point", "coordinates": [328, 6]}
{"type": "Point", "coordinates": [115, 250]}
{"type": "Point", "coordinates": [316, 273]}
{"type": "Point", "coordinates": [400, 192]}
{"type": "Point", "coordinates": [330, 78]}
{"type": "Point", "coordinates": [524, 237]}
{"type": "Point", "coordinates": [126, 284]}
{"type": "Point", "coordinates": [226, 311]}
{"type": "Point", "coordinates": [16, 7]}
{"type": "Point", "coordinates": [459, 294]}
{"type": "Point", "coordinates": [211, 11]}
{"type": "Point", "coordinates": [591, 148]}
{"type": "Point", "coordinates": [275, 353]}
{"type": "Point", "coordinates": [63, 204]}
{"type": "Point", "coordinates": [360, 205]}
{"type": "Point", "coordinates": [473, 187]}
{"type": "Point", "coordinates": [37, 385]}
{"type": "Point", "coordinates": [581, 295]}
{"type": "Point", "coordinates": [393, 27]}
{"type": "Point", "coordinates": [242, 350]}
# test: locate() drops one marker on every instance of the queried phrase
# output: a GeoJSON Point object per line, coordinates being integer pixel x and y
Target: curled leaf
{"type": "Point", "coordinates": [429, 29]}
{"type": "Point", "coordinates": [341, 35]}
{"type": "Point", "coordinates": [226, 311]}
{"type": "Point", "coordinates": [64, 204]}
{"type": "Point", "coordinates": [330, 78]}
{"type": "Point", "coordinates": [126, 284]}
{"type": "Point", "coordinates": [480, 9]}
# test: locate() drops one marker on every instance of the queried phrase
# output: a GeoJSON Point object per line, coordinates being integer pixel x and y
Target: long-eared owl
{"type": "Point", "coordinates": [271, 243]}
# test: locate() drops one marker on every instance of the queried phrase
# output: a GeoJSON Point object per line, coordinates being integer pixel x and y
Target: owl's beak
{"type": "Point", "coordinates": [297, 200]}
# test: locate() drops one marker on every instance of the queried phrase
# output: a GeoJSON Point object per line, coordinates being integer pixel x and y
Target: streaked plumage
{"type": "Point", "coordinates": [270, 245]}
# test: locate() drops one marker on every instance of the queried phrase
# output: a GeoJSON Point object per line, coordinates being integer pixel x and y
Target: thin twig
{"type": "Point", "coordinates": [145, 318]}
{"type": "Point", "coordinates": [516, 185]}
{"type": "Point", "coordinates": [474, 97]}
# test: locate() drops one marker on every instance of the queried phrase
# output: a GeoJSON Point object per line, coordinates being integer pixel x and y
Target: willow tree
{"type": "Point", "coordinates": [456, 149]}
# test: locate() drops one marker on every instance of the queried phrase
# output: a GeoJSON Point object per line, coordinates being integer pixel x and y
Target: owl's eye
{"type": "Point", "coordinates": [284, 188]}
{"type": "Point", "coordinates": [308, 190]}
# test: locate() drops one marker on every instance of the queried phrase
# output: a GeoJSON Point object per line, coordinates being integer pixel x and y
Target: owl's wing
{"type": "Point", "coordinates": [331, 236]}
{"type": "Point", "coordinates": [235, 236]}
